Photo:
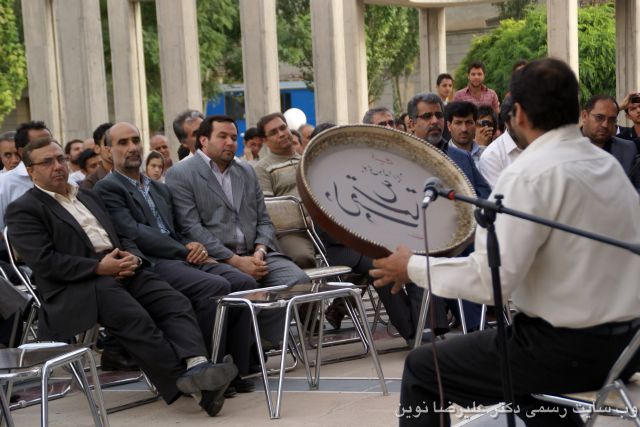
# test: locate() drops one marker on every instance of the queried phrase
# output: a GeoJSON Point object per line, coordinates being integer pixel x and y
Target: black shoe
{"type": "Point", "coordinates": [230, 392]}
{"type": "Point", "coordinates": [243, 386]}
{"type": "Point", "coordinates": [334, 317]}
{"type": "Point", "coordinates": [208, 376]}
{"type": "Point", "coordinates": [116, 361]}
{"type": "Point", "coordinates": [212, 401]}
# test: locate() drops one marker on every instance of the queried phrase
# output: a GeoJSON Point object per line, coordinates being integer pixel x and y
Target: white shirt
{"type": "Point", "coordinates": [13, 184]}
{"type": "Point", "coordinates": [89, 223]}
{"type": "Point", "coordinates": [567, 280]}
{"type": "Point", "coordinates": [497, 156]}
{"type": "Point", "coordinates": [76, 177]}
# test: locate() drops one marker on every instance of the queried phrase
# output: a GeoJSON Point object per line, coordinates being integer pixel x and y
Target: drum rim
{"type": "Point", "coordinates": [355, 239]}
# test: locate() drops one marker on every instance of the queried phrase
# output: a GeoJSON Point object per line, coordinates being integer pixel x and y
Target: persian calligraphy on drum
{"type": "Point", "coordinates": [364, 186]}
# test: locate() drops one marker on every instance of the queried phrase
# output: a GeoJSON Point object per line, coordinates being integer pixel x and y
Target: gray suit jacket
{"type": "Point", "coordinates": [204, 214]}
{"type": "Point", "coordinates": [134, 220]}
{"type": "Point", "coordinates": [626, 153]}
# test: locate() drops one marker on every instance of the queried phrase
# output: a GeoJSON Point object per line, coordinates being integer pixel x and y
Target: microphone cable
{"type": "Point", "coordinates": [432, 319]}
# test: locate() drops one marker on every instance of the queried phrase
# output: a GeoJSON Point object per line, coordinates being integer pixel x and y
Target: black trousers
{"type": "Point", "coordinates": [154, 323]}
{"type": "Point", "coordinates": [201, 284]}
{"type": "Point", "coordinates": [543, 359]}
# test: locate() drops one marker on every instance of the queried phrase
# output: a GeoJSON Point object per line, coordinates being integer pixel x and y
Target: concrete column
{"type": "Point", "coordinates": [433, 47]}
{"type": "Point", "coordinates": [330, 80]}
{"type": "Point", "coordinates": [356, 60]}
{"type": "Point", "coordinates": [562, 31]}
{"type": "Point", "coordinates": [127, 65]}
{"type": "Point", "coordinates": [627, 42]}
{"type": "Point", "coordinates": [39, 41]}
{"type": "Point", "coordinates": [259, 59]}
{"type": "Point", "coordinates": [179, 60]}
{"type": "Point", "coordinates": [83, 86]}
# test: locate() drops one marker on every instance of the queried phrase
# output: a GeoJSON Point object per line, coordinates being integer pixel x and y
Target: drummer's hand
{"type": "Point", "coordinates": [392, 269]}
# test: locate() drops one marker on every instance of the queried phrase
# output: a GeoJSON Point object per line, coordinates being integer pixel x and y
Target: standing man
{"type": "Point", "coordinates": [141, 210]}
{"type": "Point", "coordinates": [106, 163]}
{"type": "Point", "coordinates": [8, 152]}
{"type": "Point", "coordinates": [444, 87]}
{"type": "Point", "coordinates": [570, 328]}
{"type": "Point", "coordinates": [73, 149]}
{"type": "Point", "coordinates": [476, 92]}
{"type": "Point", "coordinates": [461, 118]}
{"type": "Point", "coordinates": [599, 118]}
{"type": "Point", "coordinates": [504, 150]}
{"type": "Point", "coordinates": [86, 274]}
{"type": "Point", "coordinates": [185, 126]}
{"type": "Point", "coordinates": [277, 177]}
{"type": "Point", "coordinates": [159, 143]}
{"type": "Point", "coordinates": [380, 116]}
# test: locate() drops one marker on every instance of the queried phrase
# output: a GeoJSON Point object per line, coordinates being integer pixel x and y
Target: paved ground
{"type": "Point", "coordinates": [349, 395]}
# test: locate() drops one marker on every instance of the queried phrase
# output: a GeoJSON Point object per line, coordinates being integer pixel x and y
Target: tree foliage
{"type": "Point", "coordinates": [527, 39]}
{"type": "Point", "coordinates": [13, 67]}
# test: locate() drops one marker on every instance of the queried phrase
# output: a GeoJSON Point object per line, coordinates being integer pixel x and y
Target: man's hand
{"type": "Point", "coordinates": [249, 264]}
{"type": "Point", "coordinates": [197, 253]}
{"type": "Point", "coordinates": [392, 269]}
{"type": "Point", "coordinates": [119, 264]}
{"type": "Point", "coordinates": [260, 252]}
{"type": "Point", "coordinates": [484, 135]}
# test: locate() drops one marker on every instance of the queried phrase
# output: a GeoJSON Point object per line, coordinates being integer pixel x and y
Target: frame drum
{"type": "Point", "coordinates": [363, 185]}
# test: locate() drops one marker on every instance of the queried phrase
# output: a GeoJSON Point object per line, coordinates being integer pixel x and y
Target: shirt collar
{"type": "Point", "coordinates": [73, 192]}
{"type": "Point", "coordinates": [483, 88]}
{"type": "Point", "coordinates": [566, 133]}
{"type": "Point", "coordinates": [474, 147]}
{"type": "Point", "coordinates": [509, 143]}
{"type": "Point", "coordinates": [21, 170]}
{"type": "Point", "coordinates": [212, 165]}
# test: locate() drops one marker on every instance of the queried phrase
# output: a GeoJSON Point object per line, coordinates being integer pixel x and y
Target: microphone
{"type": "Point", "coordinates": [432, 188]}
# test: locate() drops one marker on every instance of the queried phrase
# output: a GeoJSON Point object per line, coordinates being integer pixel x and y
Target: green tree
{"type": "Point", "coordinates": [527, 39]}
{"type": "Point", "coordinates": [514, 9]}
{"type": "Point", "coordinates": [13, 67]}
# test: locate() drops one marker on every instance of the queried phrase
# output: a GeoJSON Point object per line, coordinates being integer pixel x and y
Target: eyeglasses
{"type": "Point", "coordinates": [427, 116]}
{"type": "Point", "coordinates": [389, 123]}
{"type": "Point", "coordinates": [599, 118]}
{"type": "Point", "coordinates": [48, 162]}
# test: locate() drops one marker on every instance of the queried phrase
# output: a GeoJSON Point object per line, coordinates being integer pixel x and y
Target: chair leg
{"type": "Point", "coordinates": [217, 331]}
{"type": "Point", "coordinates": [483, 316]}
{"type": "Point", "coordinates": [285, 342]}
{"type": "Point", "coordinates": [422, 318]}
{"type": "Point", "coordinates": [263, 363]}
{"type": "Point", "coordinates": [463, 320]}
{"type": "Point", "coordinates": [369, 338]}
{"type": "Point", "coordinates": [4, 407]}
{"type": "Point", "coordinates": [303, 348]}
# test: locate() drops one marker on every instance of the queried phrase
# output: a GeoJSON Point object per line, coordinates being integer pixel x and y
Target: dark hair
{"type": "Point", "coordinates": [320, 128]}
{"type": "Point", "coordinates": [84, 157]}
{"type": "Point", "coordinates": [591, 103]}
{"type": "Point", "coordinates": [98, 133]}
{"type": "Point", "coordinates": [153, 155]}
{"type": "Point", "coordinates": [460, 109]}
{"type": "Point", "coordinates": [67, 147]}
{"type": "Point", "coordinates": [400, 121]}
{"type": "Point", "coordinates": [547, 91]}
{"type": "Point", "coordinates": [182, 152]}
{"type": "Point", "coordinates": [251, 133]}
{"type": "Point", "coordinates": [186, 115]}
{"type": "Point", "coordinates": [368, 116]}
{"type": "Point", "coordinates": [206, 127]}
{"type": "Point", "coordinates": [475, 64]}
{"type": "Point", "coordinates": [22, 133]}
{"type": "Point", "coordinates": [34, 145]}
{"type": "Point", "coordinates": [443, 76]}
{"type": "Point", "coordinates": [8, 136]}
{"type": "Point", "coordinates": [427, 98]}
{"type": "Point", "coordinates": [505, 111]}
{"type": "Point", "coordinates": [487, 110]}
{"type": "Point", "coordinates": [266, 119]}
{"type": "Point", "coordinates": [296, 133]}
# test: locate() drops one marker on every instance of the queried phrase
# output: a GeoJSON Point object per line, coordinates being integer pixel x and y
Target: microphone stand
{"type": "Point", "coordinates": [485, 215]}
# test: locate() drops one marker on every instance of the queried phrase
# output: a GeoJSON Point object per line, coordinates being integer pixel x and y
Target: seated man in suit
{"type": "Point", "coordinates": [87, 274]}
{"type": "Point", "coordinates": [141, 210]}
{"type": "Point", "coordinates": [599, 119]}
{"type": "Point", "coordinates": [218, 202]}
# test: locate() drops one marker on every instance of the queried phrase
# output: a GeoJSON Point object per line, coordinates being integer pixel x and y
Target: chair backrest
{"type": "Point", "coordinates": [14, 258]}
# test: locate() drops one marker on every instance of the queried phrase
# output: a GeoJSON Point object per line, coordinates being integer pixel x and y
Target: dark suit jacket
{"type": "Point", "coordinates": [204, 214]}
{"type": "Point", "coordinates": [465, 162]}
{"type": "Point", "coordinates": [627, 154]}
{"type": "Point", "coordinates": [62, 258]}
{"type": "Point", "coordinates": [134, 220]}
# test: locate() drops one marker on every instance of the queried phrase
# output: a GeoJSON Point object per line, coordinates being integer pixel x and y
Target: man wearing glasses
{"type": "Point", "coordinates": [380, 116]}
{"type": "Point", "coordinates": [599, 119]}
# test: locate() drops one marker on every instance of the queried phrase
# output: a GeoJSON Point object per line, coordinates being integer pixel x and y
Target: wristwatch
{"type": "Point", "coordinates": [263, 250]}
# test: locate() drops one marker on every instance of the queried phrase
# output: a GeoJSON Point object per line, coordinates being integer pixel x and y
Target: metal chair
{"type": "Point", "coordinates": [598, 402]}
{"type": "Point", "coordinates": [87, 338]}
{"type": "Point", "coordinates": [50, 357]}
{"type": "Point", "coordinates": [290, 297]}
